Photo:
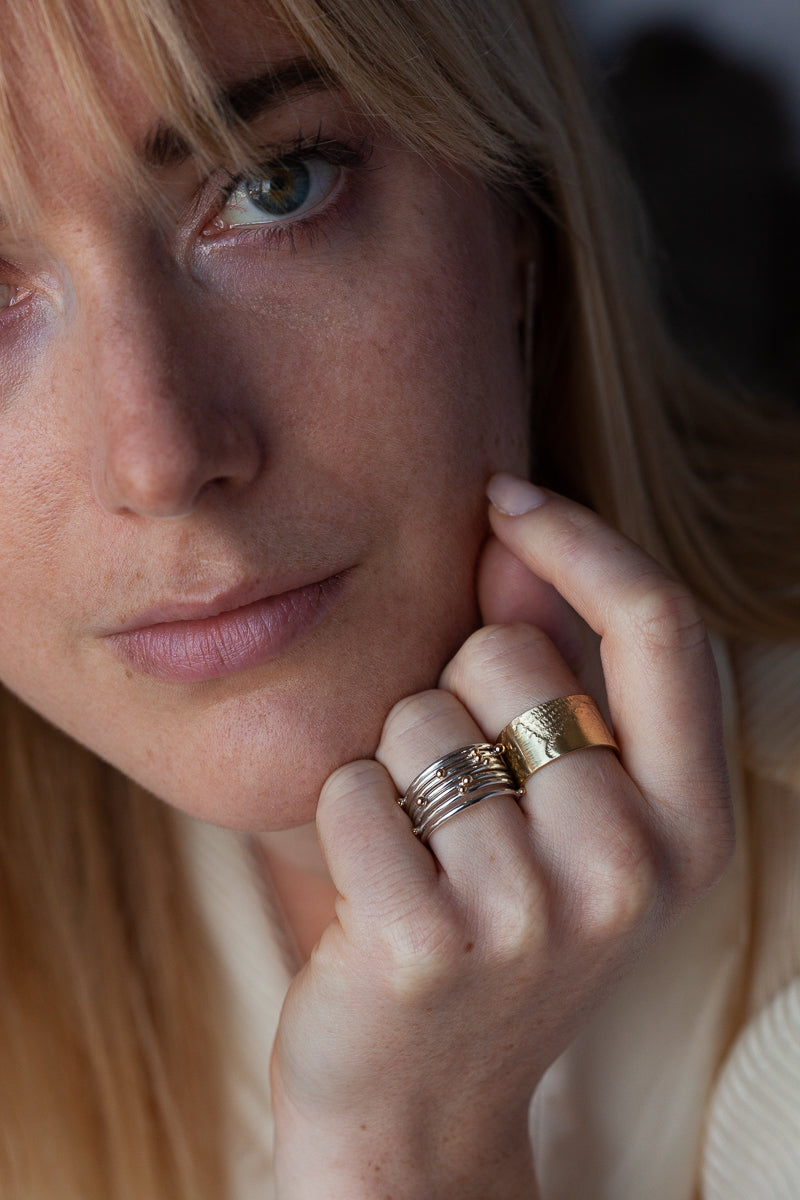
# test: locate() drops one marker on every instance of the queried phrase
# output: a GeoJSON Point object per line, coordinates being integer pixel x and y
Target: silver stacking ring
{"type": "Point", "coordinates": [456, 782]}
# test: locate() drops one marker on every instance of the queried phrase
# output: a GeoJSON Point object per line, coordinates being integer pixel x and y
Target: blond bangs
{"type": "Point", "coordinates": [401, 65]}
{"type": "Point", "coordinates": [406, 65]}
{"type": "Point", "coordinates": [71, 47]}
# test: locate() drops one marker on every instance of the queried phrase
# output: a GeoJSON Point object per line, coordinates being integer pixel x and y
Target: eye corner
{"type": "Point", "coordinates": [12, 295]}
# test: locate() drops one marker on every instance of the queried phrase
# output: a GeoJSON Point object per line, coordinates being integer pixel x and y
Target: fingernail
{"type": "Point", "coordinates": [514, 496]}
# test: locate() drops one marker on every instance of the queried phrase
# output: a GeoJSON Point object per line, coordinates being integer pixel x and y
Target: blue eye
{"type": "Point", "coordinates": [284, 192]}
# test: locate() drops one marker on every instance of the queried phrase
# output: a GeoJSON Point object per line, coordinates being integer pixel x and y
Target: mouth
{"type": "Point", "coordinates": [212, 640]}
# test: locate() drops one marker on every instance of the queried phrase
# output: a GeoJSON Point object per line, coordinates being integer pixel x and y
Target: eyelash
{"type": "Point", "coordinates": [349, 155]}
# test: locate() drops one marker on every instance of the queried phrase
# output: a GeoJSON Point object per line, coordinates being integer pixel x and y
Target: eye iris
{"type": "Point", "coordinates": [282, 192]}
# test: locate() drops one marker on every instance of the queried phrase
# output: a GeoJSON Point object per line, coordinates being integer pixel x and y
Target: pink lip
{"type": "Point", "coordinates": [224, 640]}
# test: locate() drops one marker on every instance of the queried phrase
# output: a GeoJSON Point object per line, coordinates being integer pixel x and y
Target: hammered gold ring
{"type": "Point", "coordinates": [548, 731]}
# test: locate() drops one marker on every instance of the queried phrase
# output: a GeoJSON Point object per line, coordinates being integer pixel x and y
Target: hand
{"type": "Point", "coordinates": [410, 1045]}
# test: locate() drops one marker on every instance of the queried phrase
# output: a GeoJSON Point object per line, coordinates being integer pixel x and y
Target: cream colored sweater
{"type": "Point", "coordinates": [686, 1085]}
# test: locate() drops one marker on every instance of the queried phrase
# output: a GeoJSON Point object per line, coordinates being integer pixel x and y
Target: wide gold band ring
{"type": "Point", "coordinates": [548, 731]}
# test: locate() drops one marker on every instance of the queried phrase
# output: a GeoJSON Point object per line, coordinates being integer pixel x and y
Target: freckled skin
{"type": "Point", "coordinates": [192, 414]}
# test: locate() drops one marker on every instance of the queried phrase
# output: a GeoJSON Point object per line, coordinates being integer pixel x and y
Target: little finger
{"type": "Point", "coordinates": [371, 857]}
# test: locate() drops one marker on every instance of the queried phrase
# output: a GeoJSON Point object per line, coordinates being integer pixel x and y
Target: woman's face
{"type": "Point", "coordinates": [243, 448]}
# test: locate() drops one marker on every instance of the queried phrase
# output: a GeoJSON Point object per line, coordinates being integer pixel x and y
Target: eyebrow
{"type": "Point", "coordinates": [241, 101]}
{"type": "Point", "coordinates": [237, 102]}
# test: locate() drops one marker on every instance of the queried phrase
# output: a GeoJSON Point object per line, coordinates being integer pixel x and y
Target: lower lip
{"type": "Point", "coordinates": [195, 651]}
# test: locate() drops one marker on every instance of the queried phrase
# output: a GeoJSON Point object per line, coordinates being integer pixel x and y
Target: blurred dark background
{"type": "Point", "coordinates": [705, 99]}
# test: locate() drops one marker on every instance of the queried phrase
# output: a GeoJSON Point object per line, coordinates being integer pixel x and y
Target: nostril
{"type": "Point", "coordinates": [160, 460]}
{"type": "Point", "coordinates": [151, 474]}
{"type": "Point", "coordinates": [129, 490]}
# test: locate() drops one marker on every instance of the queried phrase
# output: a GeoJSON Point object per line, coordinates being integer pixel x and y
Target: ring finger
{"type": "Point", "coordinates": [500, 672]}
{"type": "Point", "coordinates": [584, 811]}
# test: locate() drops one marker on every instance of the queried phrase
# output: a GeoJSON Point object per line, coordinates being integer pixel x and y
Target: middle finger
{"type": "Point", "coordinates": [586, 816]}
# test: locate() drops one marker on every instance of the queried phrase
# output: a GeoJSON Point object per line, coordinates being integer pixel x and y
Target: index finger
{"type": "Point", "coordinates": [662, 685]}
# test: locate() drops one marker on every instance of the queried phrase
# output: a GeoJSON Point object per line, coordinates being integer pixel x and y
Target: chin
{"type": "Point", "coordinates": [256, 766]}
{"type": "Point", "coordinates": [252, 750]}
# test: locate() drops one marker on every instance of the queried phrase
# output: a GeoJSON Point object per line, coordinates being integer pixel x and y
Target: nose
{"type": "Point", "coordinates": [168, 427]}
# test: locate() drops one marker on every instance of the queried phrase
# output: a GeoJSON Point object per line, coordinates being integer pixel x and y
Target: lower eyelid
{"type": "Point", "coordinates": [291, 235]}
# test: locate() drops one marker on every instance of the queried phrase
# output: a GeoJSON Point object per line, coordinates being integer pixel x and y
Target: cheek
{"type": "Point", "coordinates": [406, 363]}
{"type": "Point", "coordinates": [41, 568]}
{"type": "Point", "coordinates": [387, 391]}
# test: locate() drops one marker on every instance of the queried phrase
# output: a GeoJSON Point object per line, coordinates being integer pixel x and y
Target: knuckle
{"type": "Point", "coordinates": [425, 952]}
{"type": "Point", "coordinates": [413, 712]}
{"type": "Point", "coordinates": [520, 921]}
{"type": "Point", "coordinates": [420, 952]}
{"type": "Point", "coordinates": [352, 779]}
{"type": "Point", "coordinates": [576, 530]}
{"type": "Point", "coordinates": [624, 889]}
{"type": "Point", "coordinates": [496, 648]}
{"type": "Point", "coordinates": [667, 617]}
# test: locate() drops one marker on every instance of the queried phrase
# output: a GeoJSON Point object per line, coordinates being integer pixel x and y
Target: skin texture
{"type": "Point", "coordinates": [184, 411]}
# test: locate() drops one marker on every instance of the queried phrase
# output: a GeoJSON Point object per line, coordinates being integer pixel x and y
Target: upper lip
{"type": "Point", "coordinates": [229, 600]}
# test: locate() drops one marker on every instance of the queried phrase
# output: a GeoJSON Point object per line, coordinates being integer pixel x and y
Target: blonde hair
{"type": "Point", "coordinates": [116, 1089]}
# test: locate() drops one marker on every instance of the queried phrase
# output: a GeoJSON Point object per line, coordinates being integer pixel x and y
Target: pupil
{"type": "Point", "coordinates": [285, 189]}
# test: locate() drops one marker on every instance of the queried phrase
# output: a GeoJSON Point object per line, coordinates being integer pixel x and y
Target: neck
{"type": "Point", "coordinates": [293, 863]}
